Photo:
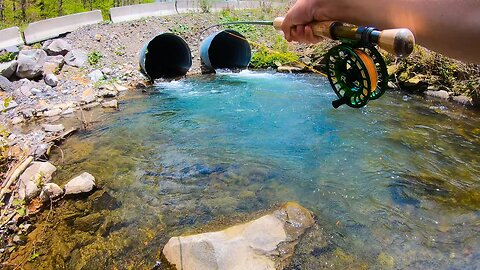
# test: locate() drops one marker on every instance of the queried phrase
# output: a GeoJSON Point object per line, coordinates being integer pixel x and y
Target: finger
{"type": "Point", "coordinates": [300, 33]}
{"type": "Point", "coordinates": [309, 36]}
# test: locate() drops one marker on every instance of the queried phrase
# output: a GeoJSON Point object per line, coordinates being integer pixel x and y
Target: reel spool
{"type": "Point", "coordinates": [357, 74]}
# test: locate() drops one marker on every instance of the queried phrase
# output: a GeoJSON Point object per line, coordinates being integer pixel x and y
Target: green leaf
{"type": "Point", "coordinates": [33, 257]}
{"type": "Point", "coordinates": [21, 211]}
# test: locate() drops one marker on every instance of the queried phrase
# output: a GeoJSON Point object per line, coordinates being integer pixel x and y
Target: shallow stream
{"type": "Point", "coordinates": [395, 185]}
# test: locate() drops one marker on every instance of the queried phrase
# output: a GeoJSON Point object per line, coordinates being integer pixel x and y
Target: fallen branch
{"type": "Point", "coordinates": [15, 175]}
{"type": "Point", "coordinates": [62, 136]}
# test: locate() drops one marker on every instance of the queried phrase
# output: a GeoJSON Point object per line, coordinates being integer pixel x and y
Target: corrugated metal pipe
{"type": "Point", "coordinates": [165, 56]}
{"type": "Point", "coordinates": [225, 49]}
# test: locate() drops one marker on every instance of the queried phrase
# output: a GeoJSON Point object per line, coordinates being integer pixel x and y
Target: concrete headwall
{"type": "Point", "coordinates": [50, 28]}
{"type": "Point", "coordinates": [136, 12]}
{"type": "Point", "coordinates": [10, 37]}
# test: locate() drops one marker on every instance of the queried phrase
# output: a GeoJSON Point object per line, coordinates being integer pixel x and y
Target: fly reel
{"type": "Point", "coordinates": [357, 74]}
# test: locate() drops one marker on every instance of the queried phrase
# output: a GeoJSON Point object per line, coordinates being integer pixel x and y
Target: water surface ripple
{"type": "Point", "coordinates": [393, 185]}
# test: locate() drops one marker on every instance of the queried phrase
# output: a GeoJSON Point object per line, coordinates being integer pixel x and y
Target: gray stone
{"type": "Point", "coordinates": [33, 178]}
{"type": "Point", "coordinates": [464, 100]}
{"type": "Point", "coordinates": [57, 47]}
{"type": "Point", "coordinates": [83, 183]}
{"type": "Point", "coordinates": [76, 58]}
{"type": "Point", "coordinates": [12, 104]}
{"type": "Point", "coordinates": [30, 63]}
{"type": "Point", "coordinates": [107, 93]}
{"type": "Point", "coordinates": [68, 111]}
{"type": "Point", "coordinates": [8, 69]}
{"type": "Point", "coordinates": [53, 64]}
{"type": "Point", "coordinates": [110, 104]}
{"type": "Point", "coordinates": [120, 88]}
{"type": "Point", "coordinates": [52, 112]}
{"type": "Point", "coordinates": [96, 76]}
{"type": "Point", "coordinates": [17, 120]}
{"type": "Point", "coordinates": [289, 69]}
{"type": "Point", "coordinates": [107, 71]}
{"type": "Point", "coordinates": [5, 84]}
{"type": "Point", "coordinates": [51, 191]}
{"type": "Point", "coordinates": [88, 96]}
{"type": "Point", "coordinates": [256, 244]}
{"type": "Point", "coordinates": [51, 80]}
{"type": "Point", "coordinates": [53, 128]}
{"type": "Point", "coordinates": [442, 94]}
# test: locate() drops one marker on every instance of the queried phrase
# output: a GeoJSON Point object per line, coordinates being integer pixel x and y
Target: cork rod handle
{"type": "Point", "coordinates": [399, 42]}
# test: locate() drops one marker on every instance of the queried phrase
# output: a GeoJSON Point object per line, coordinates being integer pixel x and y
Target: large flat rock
{"type": "Point", "coordinates": [265, 243]}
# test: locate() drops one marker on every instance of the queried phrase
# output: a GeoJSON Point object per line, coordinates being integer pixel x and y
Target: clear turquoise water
{"type": "Point", "coordinates": [393, 185]}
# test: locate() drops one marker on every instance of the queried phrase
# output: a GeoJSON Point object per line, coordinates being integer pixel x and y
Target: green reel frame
{"type": "Point", "coordinates": [349, 76]}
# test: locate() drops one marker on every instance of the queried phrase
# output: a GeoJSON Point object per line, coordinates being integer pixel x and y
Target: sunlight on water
{"type": "Point", "coordinates": [395, 185]}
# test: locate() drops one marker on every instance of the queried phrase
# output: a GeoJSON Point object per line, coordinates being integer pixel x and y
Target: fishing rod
{"type": "Point", "coordinates": [355, 69]}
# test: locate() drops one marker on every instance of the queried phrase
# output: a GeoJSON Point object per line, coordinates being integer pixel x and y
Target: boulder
{"type": "Point", "coordinates": [51, 80]}
{"type": "Point", "coordinates": [5, 84]}
{"type": "Point", "coordinates": [33, 178]}
{"type": "Point", "coordinates": [110, 104]}
{"type": "Point", "coordinates": [51, 191]}
{"type": "Point", "coordinates": [56, 47]}
{"type": "Point", "coordinates": [96, 76]}
{"type": "Point", "coordinates": [53, 128]}
{"type": "Point", "coordinates": [264, 243]}
{"type": "Point", "coordinates": [30, 63]}
{"type": "Point", "coordinates": [8, 69]}
{"type": "Point", "coordinates": [83, 183]}
{"type": "Point", "coordinates": [76, 58]}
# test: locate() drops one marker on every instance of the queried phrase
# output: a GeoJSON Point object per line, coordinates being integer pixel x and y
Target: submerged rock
{"type": "Point", "coordinates": [265, 243]}
{"type": "Point", "coordinates": [442, 94]}
{"type": "Point", "coordinates": [83, 183]}
{"type": "Point", "coordinates": [51, 191]}
{"type": "Point", "coordinates": [53, 128]}
{"type": "Point", "coordinates": [34, 177]}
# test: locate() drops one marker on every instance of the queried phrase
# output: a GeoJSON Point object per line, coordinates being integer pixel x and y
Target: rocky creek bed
{"type": "Point", "coordinates": [67, 84]}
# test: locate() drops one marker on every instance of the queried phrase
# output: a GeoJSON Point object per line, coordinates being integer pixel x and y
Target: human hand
{"type": "Point", "coordinates": [297, 25]}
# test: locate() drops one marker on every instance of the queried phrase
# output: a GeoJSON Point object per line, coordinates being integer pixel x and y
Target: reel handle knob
{"type": "Point", "coordinates": [399, 42]}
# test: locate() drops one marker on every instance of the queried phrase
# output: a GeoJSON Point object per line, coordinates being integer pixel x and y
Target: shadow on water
{"type": "Point", "coordinates": [394, 185]}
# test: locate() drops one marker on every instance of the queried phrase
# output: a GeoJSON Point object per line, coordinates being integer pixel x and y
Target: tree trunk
{"type": "Point", "coordinates": [1, 11]}
{"type": "Point", "coordinates": [24, 10]}
{"type": "Point", "coordinates": [84, 3]}
{"type": "Point", "coordinates": [60, 7]}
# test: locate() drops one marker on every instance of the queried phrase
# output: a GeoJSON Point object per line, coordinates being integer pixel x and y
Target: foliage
{"type": "Point", "coordinates": [15, 14]}
{"type": "Point", "coordinates": [180, 29]}
{"type": "Point", "coordinates": [278, 55]}
{"type": "Point", "coordinates": [205, 5]}
{"type": "Point", "coordinates": [7, 57]}
{"type": "Point", "coordinates": [264, 59]}
{"type": "Point", "coordinates": [20, 207]}
{"type": "Point", "coordinates": [94, 58]}
{"type": "Point", "coordinates": [34, 256]}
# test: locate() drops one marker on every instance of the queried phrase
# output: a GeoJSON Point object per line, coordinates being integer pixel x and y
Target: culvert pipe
{"type": "Point", "coordinates": [165, 56]}
{"type": "Point", "coordinates": [225, 49]}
